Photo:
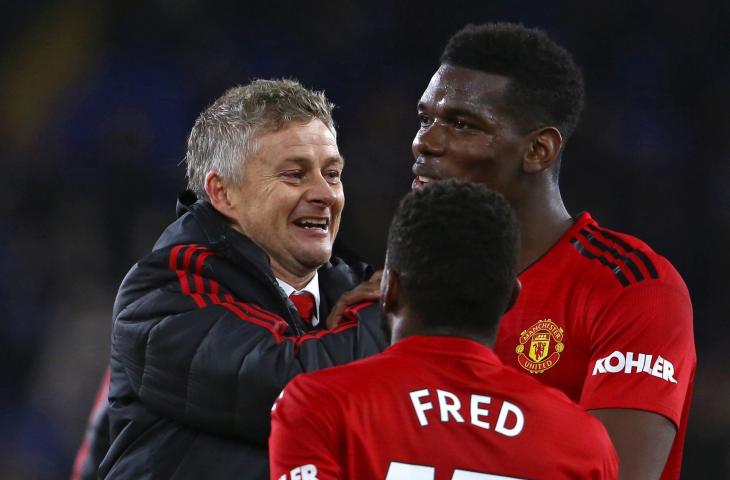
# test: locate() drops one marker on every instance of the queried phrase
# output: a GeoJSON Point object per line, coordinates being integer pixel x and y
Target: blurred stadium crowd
{"type": "Point", "coordinates": [98, 99]}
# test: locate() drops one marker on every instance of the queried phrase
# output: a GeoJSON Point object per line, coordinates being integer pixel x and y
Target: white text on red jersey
{"type": "Point", "coordinates": [631, 362]}
{"type": "Point", "coordinates": [445, 406]}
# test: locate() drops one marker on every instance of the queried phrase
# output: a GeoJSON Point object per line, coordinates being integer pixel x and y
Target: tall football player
{"type": "Point", "coordinates": [602, 317]}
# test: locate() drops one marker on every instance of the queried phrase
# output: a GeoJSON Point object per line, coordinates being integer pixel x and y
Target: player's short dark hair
{"type": "Point", "coordinates": [546, 86]}
{"type": "Point", "coordinates": [454, 247]}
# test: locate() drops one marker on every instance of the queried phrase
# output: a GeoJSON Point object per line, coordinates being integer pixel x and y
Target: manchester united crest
{"type": "Point", "coordinates": [540, 346]}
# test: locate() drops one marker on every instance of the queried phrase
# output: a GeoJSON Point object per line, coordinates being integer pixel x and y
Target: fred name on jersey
{"type": "Point", "coordinates": [441, 405]}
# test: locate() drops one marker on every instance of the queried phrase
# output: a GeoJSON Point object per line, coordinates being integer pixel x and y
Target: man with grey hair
{"type": "Point", "coordinates": [231, 302]}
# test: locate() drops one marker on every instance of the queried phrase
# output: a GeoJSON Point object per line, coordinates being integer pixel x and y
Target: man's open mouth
{"type": "Point", "coordinates": [312, 222]}
{"type": "Point", "coordinates": [421, 181]}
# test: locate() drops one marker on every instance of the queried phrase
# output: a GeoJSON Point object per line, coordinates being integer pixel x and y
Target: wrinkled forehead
{"type": "Point", "coordinates": [296, 141]}
{"type": "Point", "coordinates": [274, 123]}
{"type": "Point", "coordinates": [312, 132]}
{"type": "Point", "coordinates": [464, 88]}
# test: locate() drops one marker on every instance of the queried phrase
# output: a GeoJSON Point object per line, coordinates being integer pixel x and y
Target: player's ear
{"type": "Point", "coordinates": [543, 149]}
{"type": "Point", "coordinates": [516, 289]}
{"type": "Point", "coordinates": [389, 290]}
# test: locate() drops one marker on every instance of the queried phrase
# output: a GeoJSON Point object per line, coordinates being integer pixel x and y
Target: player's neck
{"type": "Point", "coordinates": [297, 280]}
{"type": "Point", "coordinates": [405, 324]}
{"type": "Point", "coordinates": [543, 220]}
{"type": "Point", "coordinates": [487, 341]}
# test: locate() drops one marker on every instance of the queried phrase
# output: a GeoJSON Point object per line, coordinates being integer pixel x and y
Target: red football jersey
{"type": "Point", "coordinates": [433, 407]}
{"type": "Point", "coordinates": [608, 321]}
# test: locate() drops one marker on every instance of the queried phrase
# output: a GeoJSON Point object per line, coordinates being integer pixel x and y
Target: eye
{"type": "Point", "coordinates": [333, 176]}
{"type": "Point", "coordinates": [293, 175]}
{"type": "Point", "coordinates": [461, 125]}
{"type": "Point", "coordinates": [424, 120]}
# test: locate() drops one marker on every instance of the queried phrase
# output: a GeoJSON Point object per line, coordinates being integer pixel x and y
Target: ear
{"type": "Point", "coordinates": [389, 291]}
{"type": "Point", "coordinates": [516, 289]}
{"type": "Point", "coordinates": [218, 193]}
{"type": "Point", "coordinates": [545, 144]}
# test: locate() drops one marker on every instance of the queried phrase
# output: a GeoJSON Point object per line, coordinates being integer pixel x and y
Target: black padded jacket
{"type": "Point", "coordinates": [203, 341]}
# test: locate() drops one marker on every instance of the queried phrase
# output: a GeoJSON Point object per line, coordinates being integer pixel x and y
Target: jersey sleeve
{"type": "Point", "coordinates": [305, 434]}
{"type": "Point", "coordinates": [642, 351]}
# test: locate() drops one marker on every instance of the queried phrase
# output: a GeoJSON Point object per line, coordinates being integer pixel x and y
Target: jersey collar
{"type": "Point", "coordinates": [445, 346]}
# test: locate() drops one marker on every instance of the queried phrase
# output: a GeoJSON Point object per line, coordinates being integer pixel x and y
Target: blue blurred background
{"type": "Point", "coordinates": [98, 97]}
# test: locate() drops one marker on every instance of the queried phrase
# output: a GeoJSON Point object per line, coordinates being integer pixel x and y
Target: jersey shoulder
{"type": "Point", "coordinates": [519, 386]}
{"type": "Point", "coordinates": [618, 260]}
{"type": "Point", "coordinates": [554, 407]}
{"type": "Point", "coordinates": [347, 380]}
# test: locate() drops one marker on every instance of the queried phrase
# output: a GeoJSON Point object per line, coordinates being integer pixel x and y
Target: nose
{"type": "Point", "coordinates": [430, 140]}
{"type": "Point", "coordinates": [321, 192]}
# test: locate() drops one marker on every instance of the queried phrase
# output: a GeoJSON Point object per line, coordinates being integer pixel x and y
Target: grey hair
{"type": "Point", "coordinates": [224, 134]}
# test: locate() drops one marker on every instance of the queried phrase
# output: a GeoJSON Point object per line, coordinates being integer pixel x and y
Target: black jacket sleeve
{"type": "Point", "coordinates": [197, 353]}
{"type": "Point", "coordinates": [96, 438]}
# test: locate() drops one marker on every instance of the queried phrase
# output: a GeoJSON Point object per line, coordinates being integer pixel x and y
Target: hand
{"type": "Point", "coordinates": [368, 290]}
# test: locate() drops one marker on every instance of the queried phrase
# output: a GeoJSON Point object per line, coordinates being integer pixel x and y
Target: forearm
{"type": "Point", "coordinates": [642, 440]}
{"type": "Point", "coordinates": [218, 373]}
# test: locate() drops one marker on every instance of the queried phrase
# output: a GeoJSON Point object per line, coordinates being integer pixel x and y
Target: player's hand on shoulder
{"type": "Point", "coordinates": [367, 291]}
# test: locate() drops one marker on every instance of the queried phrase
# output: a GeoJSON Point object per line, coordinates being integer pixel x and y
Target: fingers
{"type": "Point", "coordinates": [376, 278]}
{"type": "Point", "coordinates": [334, 317]}
{"type": "Point", "coordinates": [367, 291]}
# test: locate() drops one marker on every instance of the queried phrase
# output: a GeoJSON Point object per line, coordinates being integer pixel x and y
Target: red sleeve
{"type": "Point", "coordinates": [642, 351]}
{"type": "Point", "coordinates": [304, 434]}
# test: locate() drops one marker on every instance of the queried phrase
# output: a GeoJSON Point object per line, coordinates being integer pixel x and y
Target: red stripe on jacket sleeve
{"type": "Point", "coordinates": [102, 396]}
{"type": "Point", "coordinates": [173, 256]}
{"type": "Point", "coordinates": [235, 308]}
{"type": "Point", "coordinates": [199, 269]}
{"type": "Point", "coordinates": [249, 312]}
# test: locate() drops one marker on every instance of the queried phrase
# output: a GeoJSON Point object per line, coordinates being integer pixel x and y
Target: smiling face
{"type": "Point", "coordinates": [466, 132]}
{"type": "Point", "coordinates": [291, 198]}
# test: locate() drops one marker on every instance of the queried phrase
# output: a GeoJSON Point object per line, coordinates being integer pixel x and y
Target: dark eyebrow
{"type": "Point", "coordinates": [453, 112]}
{"type": "Point", "coordinates": [463, 112]}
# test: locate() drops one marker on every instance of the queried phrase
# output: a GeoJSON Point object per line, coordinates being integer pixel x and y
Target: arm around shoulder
{"type": "Point", "coordinates": [212, 361]}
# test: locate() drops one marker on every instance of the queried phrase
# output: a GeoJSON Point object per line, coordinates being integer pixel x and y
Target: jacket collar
{"type": "Point", "coordinates": [199, 222]}
{"type": "Point", "coordinates": [219, 235]}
